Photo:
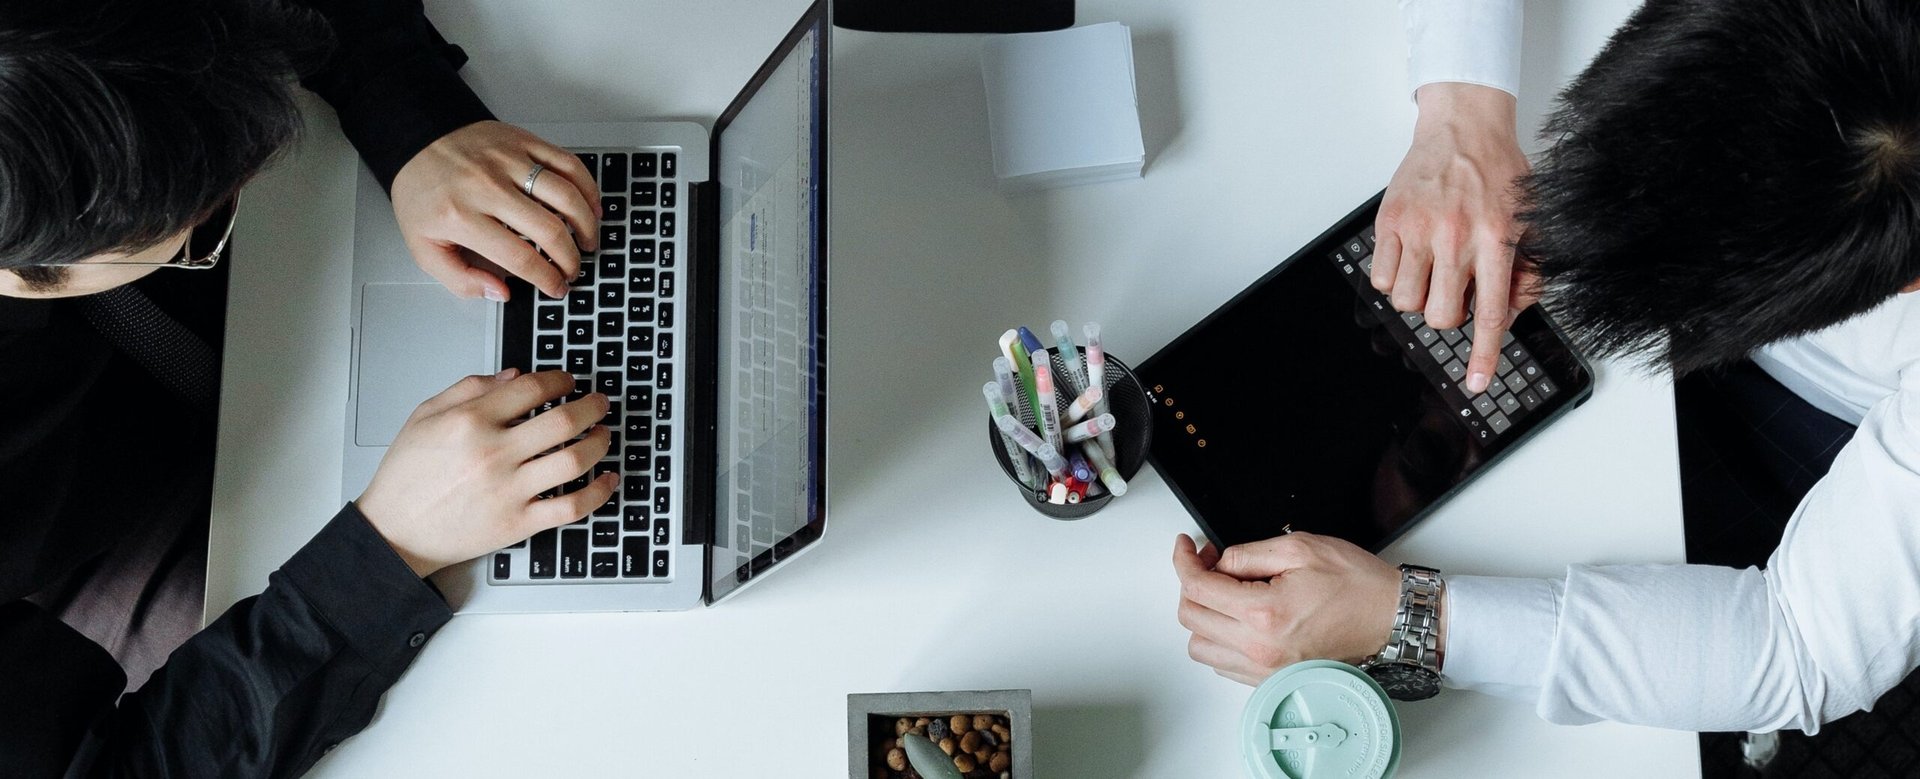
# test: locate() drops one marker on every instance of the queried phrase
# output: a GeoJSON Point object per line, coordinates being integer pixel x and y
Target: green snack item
{"type": "Point", "coordinates": [928, 759]}
{"type": "Point", "coordinates": [1320, 719]}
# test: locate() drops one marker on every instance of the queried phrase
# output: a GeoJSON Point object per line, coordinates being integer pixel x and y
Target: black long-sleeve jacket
{"type": "Point", "coordinates": [86, 440]}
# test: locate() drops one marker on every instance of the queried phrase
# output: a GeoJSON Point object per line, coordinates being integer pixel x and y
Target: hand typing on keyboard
{"type": "Point", "coordinates": [463, 196]}
{"type": "Point", "coordinates": [1447, 223]}
{"type": "Point", "coordinates": [462, 477]}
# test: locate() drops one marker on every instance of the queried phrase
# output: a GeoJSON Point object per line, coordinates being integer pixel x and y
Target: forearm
{"type": "Point", "coordinates": [266, 689]}
{"type": "Point", "coordinates": [1465, 41]}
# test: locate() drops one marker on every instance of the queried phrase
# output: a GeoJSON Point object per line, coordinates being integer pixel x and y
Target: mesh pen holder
{"type": "Point", "coordinates": [1132, 436]}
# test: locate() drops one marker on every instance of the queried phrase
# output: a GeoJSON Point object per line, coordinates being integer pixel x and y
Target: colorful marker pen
{"type": "Point", "coordinates": [1017, 457]}
{"type": "Point", "coordinates": [1049, 457]}
{"type": "Point", "coordinates": [1109, 475]}
{"type": "Point", "coordinates": [1028, 339]}
{"type": "Point", "coordinates": [1049, 414]}
{"type": "Point", "coordinates": [1023, 364]}
{"type": "Point", "coordinates": [1077, 465]}
{"type": "Point", "coordinates": [1097, 377]}
{"type": "Point", "coordinates": [1088, 429]}
{"type": "Point", "coordinates": [1003, 373]}
{"type": "Point", "coordinates": [1063, 341]}
{"type": "Point", "coordinates": [1083, 405]}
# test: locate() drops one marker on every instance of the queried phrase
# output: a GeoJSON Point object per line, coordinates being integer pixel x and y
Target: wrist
{"type": "Point", "coordinates": [377, 516]}
{"type": "Point", "coordinates": [1467, 109]}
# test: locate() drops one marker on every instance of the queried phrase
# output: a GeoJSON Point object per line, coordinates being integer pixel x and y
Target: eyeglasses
{"type": "Point", "coordinates": [200, 252]}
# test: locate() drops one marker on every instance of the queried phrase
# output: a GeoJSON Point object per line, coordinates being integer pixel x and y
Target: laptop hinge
{"type": "Point", "coordinates": [703, 318]}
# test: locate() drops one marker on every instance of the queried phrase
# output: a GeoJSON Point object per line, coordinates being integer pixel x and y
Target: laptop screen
{"type": "Point", "coordinates": [770, 392]}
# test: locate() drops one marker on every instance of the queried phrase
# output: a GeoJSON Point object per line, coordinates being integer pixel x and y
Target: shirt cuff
{"type": "Point", "coordinates": [1468, 41]}
{"type": "Point", "coordinates": [364, 591]}
{"type": "Point", "coordinates": [1499, 632]}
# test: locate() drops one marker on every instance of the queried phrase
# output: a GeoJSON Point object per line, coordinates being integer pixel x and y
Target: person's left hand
{"type": "Point", "coordinates": [1259, 607]}
{"type": "Point", "coordinates": [461, 196]}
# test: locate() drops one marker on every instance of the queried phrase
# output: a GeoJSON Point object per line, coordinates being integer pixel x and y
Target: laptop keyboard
{"type": "Point", "coordinates": [619, 333]}
{"type": "Point", "coordinates": [1520, 385]}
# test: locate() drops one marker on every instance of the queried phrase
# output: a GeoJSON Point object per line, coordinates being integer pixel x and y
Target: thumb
{"type": "Point", "coordinates": [1261, 559]}
{"type": "Point", "coordinates": [447, 264]}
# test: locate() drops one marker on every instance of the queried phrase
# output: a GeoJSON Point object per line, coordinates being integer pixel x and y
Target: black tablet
{"type": "Point", "coordinates": [1308, 403]}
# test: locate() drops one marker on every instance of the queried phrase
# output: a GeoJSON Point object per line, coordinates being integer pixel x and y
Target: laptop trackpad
{"type": "Point", "coordinates": [415, 341]}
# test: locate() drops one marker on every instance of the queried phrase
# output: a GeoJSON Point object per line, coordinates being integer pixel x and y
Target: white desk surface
{"type": "Point", "coordinates": [1264, 122]}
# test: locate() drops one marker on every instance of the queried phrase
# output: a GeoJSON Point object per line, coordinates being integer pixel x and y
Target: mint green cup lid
{"type": "Point", "coordinates": [1320, 719]}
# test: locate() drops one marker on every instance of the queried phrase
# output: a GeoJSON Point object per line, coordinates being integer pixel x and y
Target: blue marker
{"type": "Point", "coordinates": [1031, 341]}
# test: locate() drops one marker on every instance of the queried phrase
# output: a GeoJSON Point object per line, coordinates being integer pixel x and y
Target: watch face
{"type": "Point", "coordinates": [1405, 682]}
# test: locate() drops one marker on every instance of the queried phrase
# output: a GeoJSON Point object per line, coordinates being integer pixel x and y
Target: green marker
{"type": "Point", "coordinates": [1022, 364]}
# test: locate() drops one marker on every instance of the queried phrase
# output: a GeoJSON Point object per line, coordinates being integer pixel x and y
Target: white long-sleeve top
{"type": "Point", "coordinates": [1832, 621]}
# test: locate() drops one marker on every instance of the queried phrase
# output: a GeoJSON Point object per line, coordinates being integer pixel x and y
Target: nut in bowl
{"type": "Point", "coordinates": [940, 735]}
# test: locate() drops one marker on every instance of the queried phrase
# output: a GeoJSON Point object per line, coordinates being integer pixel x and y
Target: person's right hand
{"type": "Point", "coordinates": [461, 478]}
{"type": "Point", "coordinates": [1447, 222]}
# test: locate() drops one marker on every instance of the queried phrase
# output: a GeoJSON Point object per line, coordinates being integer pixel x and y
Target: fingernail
{"type": "Point", "coordinates": [1477, 381]}
{"type": "Point", "coordinates": [494, 295]}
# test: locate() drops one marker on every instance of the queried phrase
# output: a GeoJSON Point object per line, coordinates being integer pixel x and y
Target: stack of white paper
{"type": "Point", "coordinates": [1061, 107]}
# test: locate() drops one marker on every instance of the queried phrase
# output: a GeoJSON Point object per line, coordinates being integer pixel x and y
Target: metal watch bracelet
{"type": "Point", "coordinates": [1416, 624]}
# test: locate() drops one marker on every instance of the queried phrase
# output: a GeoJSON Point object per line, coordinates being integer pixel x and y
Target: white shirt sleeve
{"type": "Point", "coordinates": [1471, 41]}
{"type": "Point", "coordinates": [1830, 624]}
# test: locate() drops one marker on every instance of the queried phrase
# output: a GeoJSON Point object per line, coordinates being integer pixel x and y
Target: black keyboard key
{"type": "Point", "coordinates": [663, 376]}
{"type": "Point", "coordinates": [640, 309]}
{"type": "Point", "coordinates": [1357, 246]}
{"type": "Point", "coordinates": [635, 519]}
{"type": "Point", "coordinates": [666, 346]}
{"type": "Point", "coordinates": [659, 562]}
{"type": "Point", "coordinates": [635, 459]}
{"type": "Point", "coordinates": [642, 249]}
{"type": "Point", "coordinates": [580, 361]}
{"type": "Point", "coordinates": [660, 501]}
{"type": "Point", "coordinates": [662, 468]}
{"type": "Point", "coordinates": [548, 317]}
{"type": "Point", "coordinates": [592, 161]}
{"type": "Point", "coordinates": [613, 208]}
{"type": "Point", "coordinates": [666, 284]}
{"type": "Point", "coordinates": [573, 553]}
{"type": "Point", "coordinates": [579, 332]}
{"type": "Point", "coordinates": [613, 235]}
{"type": "Point", "coordinates": [637, 429]}
{"type": "Point", "coordinates": [502, 567]}
{"type": "Point", "coordinates": [640, 339]}
{"type": "Point", "coordinates": [608, 356]}
{"type": "Point", "coordinates": [669, 165]}
{"type": "Point", "coordinates": [640, 368]}
{"type": "Point", "coordinates": [645, 165]}
{"type": "Point", "coordinates": [606, 565]}
{"type": "Point", "coordinates": [666, 254]}
{"type": "Point", "coordinates": [547, 348]}
{"type": "Point", "coordinates": [607, 383]}
{"type": "Point", "coordinates": [1545, 387]}
{"type": "Point", "coordinates": [666, 224]}
{"type": "Point", "coordinates": [660, 532]}
{"type": "Point", "coordinates": [640, 280]}
{"type": "Point", "coordinates": [666, 314]}
{"type": "Point", "coordinates": [645, 194]}
{"type": "Point", "coordinates": [641, 222]}
{"type": "Point", "coordinates": [663, 407]}
{"type": "Point", "coordinates": [613, 171]}
{"type": "Point", "coordinates": [606, 533]}
{"type": "Point", "coordinates": [633, 557]}
{"type": "Point", "coordinates": [663, 439]}
{"type": "Point", "coordinates": [668, 196]}
{"type": "Point", "coordinates": [580, 303]}
{"type": "Point", "coordinates": [639, 396]}
{"type": "Point", "coordinates": [609, 324]}
{"type": "Point", "coordinates": [612, 266]}
{"type": "Point", "coordinates": [541, 550]}
{"type": "Point", "coordinates": [612, 421]}
{"type": "Point", "coordinates": [611, 295]}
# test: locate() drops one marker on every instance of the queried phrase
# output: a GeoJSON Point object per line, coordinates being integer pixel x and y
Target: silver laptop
{"type": "Point", "coordinates": [703, 318]}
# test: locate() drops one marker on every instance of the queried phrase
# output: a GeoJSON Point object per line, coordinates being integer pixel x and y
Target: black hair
{"type": "Point", "coordinates": [1729, 173]}
{"type": "Point", "coordinates": [123, 122]}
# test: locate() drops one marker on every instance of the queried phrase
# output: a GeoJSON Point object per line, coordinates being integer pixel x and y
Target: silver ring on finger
{"type": "Point", "coordinates": [532, 176]}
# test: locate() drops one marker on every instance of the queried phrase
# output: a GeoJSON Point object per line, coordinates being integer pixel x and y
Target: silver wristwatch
{"type": "Point", "coordinates": [1408, 668]}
